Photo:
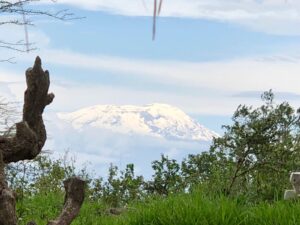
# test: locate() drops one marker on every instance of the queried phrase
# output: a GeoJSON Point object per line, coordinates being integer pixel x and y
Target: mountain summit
{"type": "Point", "coordinates": [159, 120]}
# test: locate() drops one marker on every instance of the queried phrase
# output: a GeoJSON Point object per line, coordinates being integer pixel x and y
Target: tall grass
{"type": "Point", "coordinates": [194, 208]}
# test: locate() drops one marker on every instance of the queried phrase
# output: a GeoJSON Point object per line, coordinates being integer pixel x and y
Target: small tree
{"type": "Point", "coordinates": [27, 143]}
{"type": "Point", "coordinates": [166, 179]}
{"type": "Point", "coordinates": [260, 148]}
{"type": "Point", "coordinates": [120, 188]}
{"type": "Point", "coordinates": [198, 169]}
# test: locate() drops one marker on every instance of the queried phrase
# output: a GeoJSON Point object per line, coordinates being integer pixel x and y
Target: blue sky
{"type": "Point", "coordinates": [209, 55]}
{"type": "Point", "coordinates": [177, 39]}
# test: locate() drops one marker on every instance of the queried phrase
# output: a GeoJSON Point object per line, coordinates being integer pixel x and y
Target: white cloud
{"type": "Point", "coordinates": [281, 74]}
{"type": "Point", "coordinates": [78, 96]}
{"type": "Point", "coordinates": [209, 86]}
{"type": "Point", "coordinates": [221, 79]}
{"type": "Point", "coordinates": [101, 147]}
{"type": "Point", "coordinates": [272, 16]}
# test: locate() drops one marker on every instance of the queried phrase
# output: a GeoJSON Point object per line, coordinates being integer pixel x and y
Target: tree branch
{"type": "Point", "coordinates": [14, 9]}
{"type": "Point", "coordinates": [30, 133]}
{"type": "Point", "coordinates": [9, 60]}
{"type": "Point", "coordinates": [73, 200]}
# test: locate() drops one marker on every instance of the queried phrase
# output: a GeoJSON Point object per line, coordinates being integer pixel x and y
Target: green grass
{"type": "Point", "coordinates": [195, 208]}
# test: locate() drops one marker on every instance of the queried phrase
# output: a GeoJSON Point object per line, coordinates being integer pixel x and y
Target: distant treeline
{"type": "Point", "coordinates": [253, 160]}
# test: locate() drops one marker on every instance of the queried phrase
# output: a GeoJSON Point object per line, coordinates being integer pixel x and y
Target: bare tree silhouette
{"type": "Point", "coordinates": [18, 13]}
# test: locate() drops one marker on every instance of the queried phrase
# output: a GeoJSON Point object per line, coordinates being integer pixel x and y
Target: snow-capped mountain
{"type": "Point", "coordinates": [158, 120]}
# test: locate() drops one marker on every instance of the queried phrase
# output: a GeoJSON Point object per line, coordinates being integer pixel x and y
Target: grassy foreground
{"type": "Point", "coordinates": [192, 209]}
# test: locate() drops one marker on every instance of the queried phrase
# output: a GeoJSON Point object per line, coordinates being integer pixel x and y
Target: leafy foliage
{"type": "Point", "coordinates": [166, 178]}
{"type": "Point", "coordinates": [118, 190]}
{"type": "Point", "coordinates": [260, 149]}
{"type": "Point", "coordinates": [249, 164]}
{"type": "Point", "coordinates": [41, 175]}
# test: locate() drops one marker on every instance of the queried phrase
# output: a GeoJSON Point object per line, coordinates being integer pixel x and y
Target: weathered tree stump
{"type": "Point", "coordinates": [73, 200]}
{"type": "Point", "coordinates": [27, 143]}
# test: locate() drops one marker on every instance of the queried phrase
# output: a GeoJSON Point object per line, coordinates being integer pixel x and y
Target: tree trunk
{"type": "Point", "coordinates": [7, 200]}
{"type": "Point", "coordinates": [74, 198]}
{"type": "Point", "coordinates": [28, 143]}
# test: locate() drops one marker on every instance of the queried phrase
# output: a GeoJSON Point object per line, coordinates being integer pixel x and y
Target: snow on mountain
{"type": "Point", "coordinates": [158, 120]}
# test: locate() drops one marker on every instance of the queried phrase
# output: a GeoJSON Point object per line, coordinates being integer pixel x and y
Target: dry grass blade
{"type": "Point", "coordinates": [154, 19]}
{"type": "Point", "coordinates": [145, 5]}
{"type": "Point", "coordinates": [160, 5]}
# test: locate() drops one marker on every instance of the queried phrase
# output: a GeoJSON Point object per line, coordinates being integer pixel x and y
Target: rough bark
{"type": "Point", "coordinates": [27, 144]}
{"type": "Point", "coordinates": [30, 133]}
{"type": "Point", "coordinates": [73, 200]}
{"type": "Point", "coordinates": [7, 200]}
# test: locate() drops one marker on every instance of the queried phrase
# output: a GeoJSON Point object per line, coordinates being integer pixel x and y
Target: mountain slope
{"type": "Point", "coordinates": [159, 120]}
